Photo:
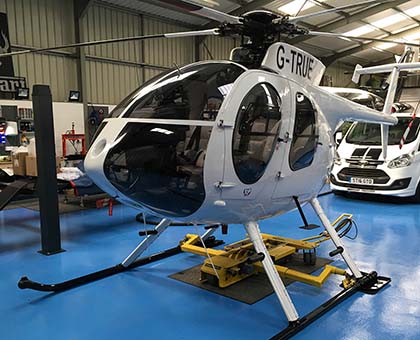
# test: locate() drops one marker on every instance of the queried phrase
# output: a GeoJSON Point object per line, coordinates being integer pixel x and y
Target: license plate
{"type": "Point", "coordinates": [359, 180]}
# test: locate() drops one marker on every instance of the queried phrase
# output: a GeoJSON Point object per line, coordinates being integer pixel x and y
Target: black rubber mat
{"type": "Point", "coordinates": [253, 288]}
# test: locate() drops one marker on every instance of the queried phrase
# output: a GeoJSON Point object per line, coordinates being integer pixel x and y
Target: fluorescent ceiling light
{"type": "Point", "coordinates": [377, 48]}
{"type": "Point", "coordinates": [413, 11]}
{"type": "Point", "coordinates": [210, 3]}
{"type": "Point", "coordinates": [293, 7]}
{"type": "Point", "coordinates": [411, 37]}
{"type": "Point", "coordinates": [405, 28]}
{"type": "Point", "coordinates": [388, 21]}
{"type": "Point", "coordinates": [385, 46]}
{"type": "Point", "coordinates": [362, 30]}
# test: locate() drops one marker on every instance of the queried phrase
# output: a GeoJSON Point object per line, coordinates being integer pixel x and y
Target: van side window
{"type": "Point", "coordinates": [256, 129]}
{"type": "Point", "coordinates": [305, 136]}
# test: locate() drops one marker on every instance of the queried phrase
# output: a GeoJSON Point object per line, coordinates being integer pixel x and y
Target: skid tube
{"type": "Point", "coordinates": [369, 283]}
{"type": "Point", "coordinates": [26, 283]}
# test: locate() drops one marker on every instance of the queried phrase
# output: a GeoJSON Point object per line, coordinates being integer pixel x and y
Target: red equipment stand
{"type": "Point", "coordinates": [73, 137]}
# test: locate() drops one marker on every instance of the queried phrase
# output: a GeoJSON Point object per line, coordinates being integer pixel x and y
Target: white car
{"type": "Point", "coordinates": [360, 167]}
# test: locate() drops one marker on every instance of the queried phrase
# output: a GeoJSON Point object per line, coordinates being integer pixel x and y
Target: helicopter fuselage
{"type": "Point", "coordinates": [214, 142]}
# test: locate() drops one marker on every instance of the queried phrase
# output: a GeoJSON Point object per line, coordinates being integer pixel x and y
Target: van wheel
{"type": "Point", "coordinates": [416, 197]}
{"type": "Point", "coordinates": [339, 193]}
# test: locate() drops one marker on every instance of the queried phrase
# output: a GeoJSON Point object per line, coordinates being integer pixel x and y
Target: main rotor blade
{"type": "Point", "coordinates": [335, 9]}
{"type": "Point", "coordinates": [206, 12]}
{"type": "Point", "coordinates": [345, 36]}
{"type": "Point", "coordinates": [213, 31]}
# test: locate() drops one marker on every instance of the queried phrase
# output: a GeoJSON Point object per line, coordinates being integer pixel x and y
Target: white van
{"type": "Point", "coordinates": [360, 167]}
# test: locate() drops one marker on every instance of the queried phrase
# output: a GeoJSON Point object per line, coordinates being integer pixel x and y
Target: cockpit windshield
{"type": "Point", "coordinates": [194, 92]}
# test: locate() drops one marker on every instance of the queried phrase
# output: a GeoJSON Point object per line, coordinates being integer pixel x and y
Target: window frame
{"type": "Point", "coordinates": [315, 133]}
{"type": "Point", "coordinates": [267, 134]}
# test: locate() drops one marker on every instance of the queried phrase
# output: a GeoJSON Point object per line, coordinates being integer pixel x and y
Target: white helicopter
{"type": "Point", "coordinates": [229, 142]}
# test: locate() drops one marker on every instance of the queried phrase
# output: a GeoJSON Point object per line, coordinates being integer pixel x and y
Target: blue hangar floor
{"type": "Point", "coordinates": [145, 304]}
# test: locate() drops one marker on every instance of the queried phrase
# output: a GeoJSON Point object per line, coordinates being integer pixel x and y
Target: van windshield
{"type": "Point", "coordinates": [370, 134]}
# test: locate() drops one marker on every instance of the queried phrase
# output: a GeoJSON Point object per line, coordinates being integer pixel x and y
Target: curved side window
{"type": "Point", "coordinates": [256, 128]}
{"type": "Point", "coordinates": [194, 92]}
{"type": "Point", "coordinates": [305, 136]}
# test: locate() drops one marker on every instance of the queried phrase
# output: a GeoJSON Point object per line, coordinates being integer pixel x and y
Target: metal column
{"type": "Point", "coordinates": [46, 165]}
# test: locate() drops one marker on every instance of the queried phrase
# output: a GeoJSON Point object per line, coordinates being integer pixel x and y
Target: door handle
{"type": "Point", "coordinates": [226, 185]}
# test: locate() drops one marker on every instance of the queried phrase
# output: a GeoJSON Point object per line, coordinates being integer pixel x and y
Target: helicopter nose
{"type": "Point", "coordinates": [150, 165]}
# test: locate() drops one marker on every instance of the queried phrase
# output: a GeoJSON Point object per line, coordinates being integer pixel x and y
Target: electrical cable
{"type": "Point", "coordinates": [344, 227]}
{"type": "Point", "coordinates": [356, 228]}
{"type": "Point", "coordinates": [208, 255]}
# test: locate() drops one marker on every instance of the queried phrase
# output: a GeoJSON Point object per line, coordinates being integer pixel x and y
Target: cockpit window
{"type": "Point", "coordinates": [160, 166]}
{"type": "Point", "coordinates": [191, 93]}
{"type": "Point", "coordinates": [116, 112]}
{"type": "Point", "coordinates": [305, 138]}
{"type": "Point", "coordinates": [256, 130]}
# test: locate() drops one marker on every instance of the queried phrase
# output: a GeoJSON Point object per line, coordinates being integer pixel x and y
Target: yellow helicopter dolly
{"type": "Point", "coordinates": [239, 260]}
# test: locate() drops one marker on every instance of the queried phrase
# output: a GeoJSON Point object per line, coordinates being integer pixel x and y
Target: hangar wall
{"type": "Point", "coordinates": [112, 71]}
{"type": "Point", "coordinates": [217, 48]}
{"type": "Point", "coordinates": [338, 75]}
{"type": "Point", "coordinates": [43, 23]}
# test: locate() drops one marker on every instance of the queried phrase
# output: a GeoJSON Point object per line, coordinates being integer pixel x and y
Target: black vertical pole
{"type": "Point", "coordinates": [46, 165]}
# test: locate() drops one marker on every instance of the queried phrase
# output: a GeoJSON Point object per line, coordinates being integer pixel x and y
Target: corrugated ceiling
{"type": "Point", "coordinates": [405, 15]}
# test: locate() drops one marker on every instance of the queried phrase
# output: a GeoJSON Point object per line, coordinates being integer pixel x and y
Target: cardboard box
{"type": "Point", "coordinates": [19, 163]}
{"type": "Point", "coordinates": [31, 168]}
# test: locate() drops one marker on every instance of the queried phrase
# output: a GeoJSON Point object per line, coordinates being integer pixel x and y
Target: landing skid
{"type": "Point", "coordinates": [26, 283]}
{"type": "Point", "coordinates": [130, 262]}
{"type": "Point", "coordinates": [369, 283]}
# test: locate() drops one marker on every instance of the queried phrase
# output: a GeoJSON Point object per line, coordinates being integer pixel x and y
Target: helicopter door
{"type": "Point", "coordinates": [253, 122]}
{"type": "Point", "coordinates": [302, 147]}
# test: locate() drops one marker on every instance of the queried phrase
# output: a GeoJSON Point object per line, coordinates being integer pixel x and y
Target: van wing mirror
{"type": "Point", "coordinates": [338, 137]}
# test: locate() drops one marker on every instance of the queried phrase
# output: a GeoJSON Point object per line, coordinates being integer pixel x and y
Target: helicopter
{"type": "Point", "coordinates": [230, 142]}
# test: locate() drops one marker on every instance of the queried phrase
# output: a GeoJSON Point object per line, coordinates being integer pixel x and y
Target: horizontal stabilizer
{"type": "Point", "coordinates": [337, 110]}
